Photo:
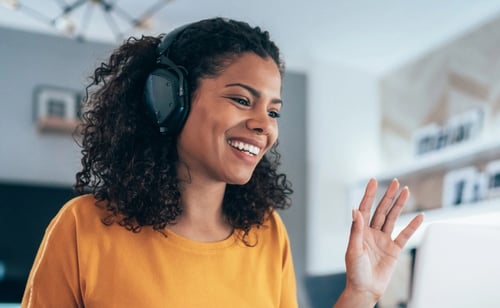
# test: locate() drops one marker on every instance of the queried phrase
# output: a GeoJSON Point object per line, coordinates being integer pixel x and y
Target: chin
{"type": "Point", "coordinates": [239, 180]}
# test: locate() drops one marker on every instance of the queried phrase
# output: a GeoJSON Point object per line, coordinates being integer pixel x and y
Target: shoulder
{"type": "Point", "coordinates": [79, 212]}
{"type": "Point", "coordinates": [79, 203]}
{"type": "Point", "coordinates": [66, 227]}
{"type": "Point", "coordinates": [274, 228]}
{"type": "Point", "coordinates": [80, 206]}
{"type": "Point", "coordinates": [274, 221]}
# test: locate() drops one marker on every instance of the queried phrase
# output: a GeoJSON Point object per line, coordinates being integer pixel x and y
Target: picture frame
{"type": "Point", "coordinates": [462, 186]}
{"type": "Point", "coordinates": [56, 109]}
{"type": "Point", "coordinates": [427, 139]}
{"type": "Point", "coordinates": [459, 128]}
{"type": "Point", "coordinates": [466, 126]}
{"type": "Point", "coordinates": [492, 172]}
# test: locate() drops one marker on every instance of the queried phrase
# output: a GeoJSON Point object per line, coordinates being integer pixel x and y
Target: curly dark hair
{"type": "Point", "coordinates": [131, 166]}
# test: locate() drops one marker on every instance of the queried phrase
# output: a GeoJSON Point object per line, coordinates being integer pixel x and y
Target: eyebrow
{"type": "Point", "coordinates": [253, 91]}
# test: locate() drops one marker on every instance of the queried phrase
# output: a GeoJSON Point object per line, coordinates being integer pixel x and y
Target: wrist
{"type": "Point", "coordinates": [356, 299]}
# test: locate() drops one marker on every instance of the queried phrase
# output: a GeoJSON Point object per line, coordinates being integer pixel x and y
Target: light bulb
{"type": "Point", "coordinates": [11, 4]}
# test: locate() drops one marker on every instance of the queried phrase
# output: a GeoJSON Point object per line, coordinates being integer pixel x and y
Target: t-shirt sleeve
{"type": "Point", "coordinates": [54, 280]}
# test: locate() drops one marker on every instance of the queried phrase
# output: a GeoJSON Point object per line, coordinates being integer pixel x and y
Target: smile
{"type": "Point", "coordinates": [244, 147]}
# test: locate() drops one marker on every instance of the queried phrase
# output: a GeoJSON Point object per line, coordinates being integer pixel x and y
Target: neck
{"type": "Point", "coordinates": [202, 218]}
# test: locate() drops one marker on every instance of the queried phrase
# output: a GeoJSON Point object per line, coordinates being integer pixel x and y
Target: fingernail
{"type": "Point", "coordinates": [353, 214]}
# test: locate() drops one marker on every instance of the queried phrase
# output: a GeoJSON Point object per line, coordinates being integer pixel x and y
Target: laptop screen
{"type": "Point", "coordinates": [457, 265]}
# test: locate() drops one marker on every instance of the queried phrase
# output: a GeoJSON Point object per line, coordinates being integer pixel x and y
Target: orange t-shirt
{"type": "Point", "coordinates": [83, 263]}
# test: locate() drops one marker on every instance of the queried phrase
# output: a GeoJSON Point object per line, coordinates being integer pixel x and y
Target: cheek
{"type": "Point", "coordinates": [210, 123]}
{"type": "Point", "coordinates": [198, 119]}
{"type": "Point", "coordinates": [273, 138]}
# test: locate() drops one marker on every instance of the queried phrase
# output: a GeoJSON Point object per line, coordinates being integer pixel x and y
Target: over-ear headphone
{"type": "Point", "coordinates": [166, 91]}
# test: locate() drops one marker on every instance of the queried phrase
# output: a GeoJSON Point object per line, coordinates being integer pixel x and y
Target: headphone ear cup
{"type": "Point", "coordinates": [166, 100]}
{"type": "Point", "coordinates": [166, 91]}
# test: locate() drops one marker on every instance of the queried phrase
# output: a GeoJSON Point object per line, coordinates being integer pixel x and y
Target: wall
{"type": "Point", "coordinates": [28, 60]}
{"type": "Point", "coordinates": [343, 131]}
{"type": "Point", "coordinates": [292, 138]}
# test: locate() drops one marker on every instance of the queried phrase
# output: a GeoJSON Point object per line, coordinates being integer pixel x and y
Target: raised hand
{"type": "Point", "coordinates": [372, 253]}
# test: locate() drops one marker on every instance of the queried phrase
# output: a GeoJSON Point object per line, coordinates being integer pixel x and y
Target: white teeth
{"type": "Point", "coordinates": [245, 147]}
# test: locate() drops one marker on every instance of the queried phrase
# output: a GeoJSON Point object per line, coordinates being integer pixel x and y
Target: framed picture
{"type": "Point", "coordinates": [492, 171]}
{"type": "Point", "coordinates": [466, 126]}
{"type": "Point", "coordinates": [428, 138]}
{"type": "Point", "coordinates": [462, 186]}
{"type": "Point", "coordinates": [56, 108]}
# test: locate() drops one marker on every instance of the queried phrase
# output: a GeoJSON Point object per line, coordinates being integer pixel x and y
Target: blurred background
{"type": "Point", "coordinates": [385, 89]}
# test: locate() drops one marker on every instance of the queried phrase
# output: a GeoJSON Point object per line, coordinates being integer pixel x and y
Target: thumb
{"type": "Point", "coordinates": [357, 228]}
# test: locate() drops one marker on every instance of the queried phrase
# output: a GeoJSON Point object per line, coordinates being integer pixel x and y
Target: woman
{"type": "Point", "coordinates": [180, 184]}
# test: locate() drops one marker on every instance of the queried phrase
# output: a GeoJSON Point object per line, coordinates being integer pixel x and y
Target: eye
{"type": "Point", "coordinates": [274, 114]}
{"type": "Point", "coordinates": [241, 101]}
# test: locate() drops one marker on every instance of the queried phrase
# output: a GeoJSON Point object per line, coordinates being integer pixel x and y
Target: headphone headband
{"type": "Point", "coordinates": [169, 39]}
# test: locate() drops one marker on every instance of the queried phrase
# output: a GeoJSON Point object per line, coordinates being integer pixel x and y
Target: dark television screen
{"type": "Point", "coordinates": [25, 212]}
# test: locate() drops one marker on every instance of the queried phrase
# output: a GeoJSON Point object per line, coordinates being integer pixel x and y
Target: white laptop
{"type": "Point", "coordinates": [457, 265]}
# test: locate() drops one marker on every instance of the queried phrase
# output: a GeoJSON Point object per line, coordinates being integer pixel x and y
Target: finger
{"type": "Point", "coordinates": [385, 204]}
{"type": "Point", "coordinates": [409, 230]}
{"type": "Point", "coordinates": [396, 210]}
{"type": "Point", "coordinates": [368, 198]}
{"type": "Point", "coordinates": [356, 237]}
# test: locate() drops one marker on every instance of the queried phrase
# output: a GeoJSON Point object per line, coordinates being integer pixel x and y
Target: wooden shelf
{"type": "Point", "coordinates": [56, 124]}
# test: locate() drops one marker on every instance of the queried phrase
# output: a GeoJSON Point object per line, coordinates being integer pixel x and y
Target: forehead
{"type": "Point", "coordinates": [248, 56]}
{"type": "Point", "coordinates": [254, 70]}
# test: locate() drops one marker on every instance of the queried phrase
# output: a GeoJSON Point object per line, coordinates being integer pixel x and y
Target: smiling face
{"type": "Point", "coordinates": [233, 121]}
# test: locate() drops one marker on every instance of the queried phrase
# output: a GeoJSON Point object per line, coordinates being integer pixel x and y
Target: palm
{"type": "Point", "coordinates": [372, 254]}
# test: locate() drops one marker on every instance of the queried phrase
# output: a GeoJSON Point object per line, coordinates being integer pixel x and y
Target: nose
{"type": "Point", "coordinates": [261, 123]}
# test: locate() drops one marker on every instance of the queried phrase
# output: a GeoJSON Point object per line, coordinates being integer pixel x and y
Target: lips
{"type": "Point", "coordinates": [251, 149]}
